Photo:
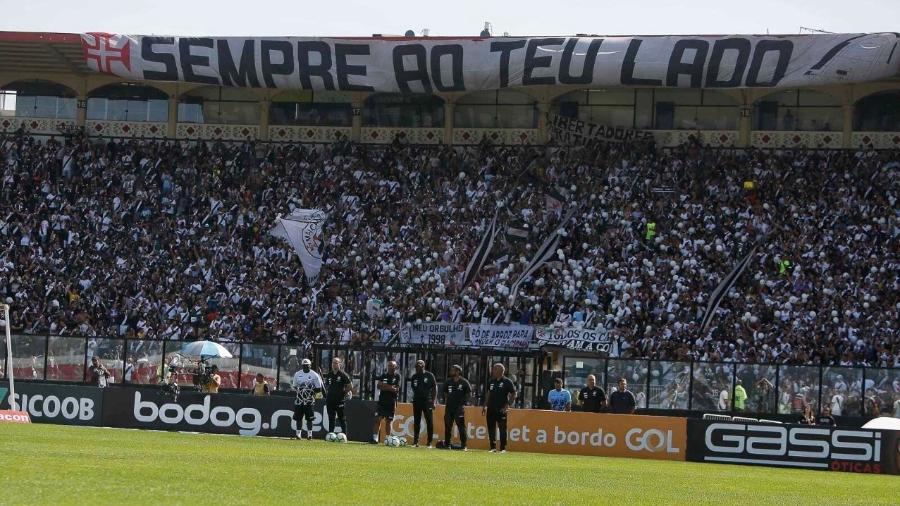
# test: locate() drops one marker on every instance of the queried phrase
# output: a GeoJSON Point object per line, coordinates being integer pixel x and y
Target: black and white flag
{"type": "Point", "coordinates": [303, 230]}
{"type": "Point", "coordinates": [544, 254]}
{"type": "Point", "coordinates": [481, 254]}
{"type": "Point", "coordinates": [722, 290]}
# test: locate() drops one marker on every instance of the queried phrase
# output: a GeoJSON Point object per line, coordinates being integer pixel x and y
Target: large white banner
{"type": "Point", "coordinates": [501, 336]}
{"type": "Point", "coordinates": [303, 230]}
{"type": "Point", "coordinates": [434, 333]}
{"type": "Point", "coordinates": [422, 65]}
{"type": "Point", "coordinates": [574, 338]}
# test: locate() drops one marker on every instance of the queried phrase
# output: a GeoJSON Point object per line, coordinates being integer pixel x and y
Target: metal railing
{"type": "Point", "coordinates": [661, 385]}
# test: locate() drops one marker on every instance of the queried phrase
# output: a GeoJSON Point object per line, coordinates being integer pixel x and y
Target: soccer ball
{"type": "Point", "coordinates": [331, 437]}
{"type": "Point", "coordinates": [340, 437]}
{"type": "Point", "coordinates": [392, 441]}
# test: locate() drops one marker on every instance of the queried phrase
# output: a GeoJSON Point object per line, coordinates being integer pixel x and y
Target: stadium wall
{"type": "Point", "coordinates": [821, 117]}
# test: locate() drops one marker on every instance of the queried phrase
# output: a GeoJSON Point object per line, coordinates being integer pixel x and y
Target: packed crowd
{"type": "Point", "coordinates": [164, 239]}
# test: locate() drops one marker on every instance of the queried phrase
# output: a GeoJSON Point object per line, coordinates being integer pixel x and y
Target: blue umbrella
{"type": "Point", "coordinates": [204, 349]}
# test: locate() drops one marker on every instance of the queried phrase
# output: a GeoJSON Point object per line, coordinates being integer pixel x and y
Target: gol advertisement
{"type": "Point", "coordinates": [576, 433]}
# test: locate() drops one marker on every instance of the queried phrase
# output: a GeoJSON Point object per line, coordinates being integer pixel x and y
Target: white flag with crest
{"type": "Point", "coordinates": [303, 230]}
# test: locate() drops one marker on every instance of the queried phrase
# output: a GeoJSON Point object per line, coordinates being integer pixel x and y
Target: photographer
{"type": "Point", "coordinates": [99, 373]}
{"type": "Point", "coordinates": [211, 381]}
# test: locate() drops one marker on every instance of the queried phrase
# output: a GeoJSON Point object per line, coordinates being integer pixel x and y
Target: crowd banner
{"type": "Point", "coordinates": [431, 65]}
{"type": "Point", "coordinates": [539, 431]}
{"type": "Point", "coordinates": [596, 340]}
{"type": "Point", "coordinates": [794, 446]}
{"type": "Point", "coordinates": [434, 333]}
{"type": "Point", "coordinates": [574, 132]}
{"type": "Point", "coordinates": [59, 404]}
{"type": "Point", "coordinates": [500, 336]}
{"type": "Point", "coordinates": [225, 413]}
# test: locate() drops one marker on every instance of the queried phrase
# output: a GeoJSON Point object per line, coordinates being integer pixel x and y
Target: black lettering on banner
{"type": "Point", "coordinates": [713, 72]}
{"type": "Point", "coordinates": [245, 72]}
{"type": "Point", "coordinates": [536, 62]}
{"type": "Point", "coordinates": [189, 60]}
{"type": "Point", "coordinates": [404, 76]}
{"type": "Point", "coordinates": [505, 48]}
{"type": "Point", "coordinates": [693, 68]}
{"type": "Point", "coordinates": [628, 67]}
{"type": "Point", "coordinates": [167, 59]}
{"type": "Point", "coordinates": [344, 70]}
{"type": "Point", "coordinates": [455, 52]}
{"type": "Point", "coordinates": [269, 68]}
{"type": "Point", "coordinates": [784, 48]}
{"type": "Point", "coordinates": [587, 72]}
{"type": "Point", "coordinates": [321, 70]}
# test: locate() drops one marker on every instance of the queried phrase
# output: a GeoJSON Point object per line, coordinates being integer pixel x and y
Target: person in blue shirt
{"type": "Point", "coordinates": [560, 399]}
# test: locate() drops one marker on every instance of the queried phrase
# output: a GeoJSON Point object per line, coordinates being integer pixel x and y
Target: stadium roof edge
{"type": "Point", "coordinates": [13, 36]}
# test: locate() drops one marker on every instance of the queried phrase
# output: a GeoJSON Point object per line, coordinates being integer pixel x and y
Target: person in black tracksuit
{"type": "Point", "coordinates": [338, 387]}
{"type": "Point", "coordinates": [424, 389]}
{"type": "Point", "coordinates": [592, 397]}
{"type": "Point", "coordinates": [501, 394]}
{"type": "Point", "coordinates": [456, 394]}
{"type": "Point", "coordinates": [388, 386]}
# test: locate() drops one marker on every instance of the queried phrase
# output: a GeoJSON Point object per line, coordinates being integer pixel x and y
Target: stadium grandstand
{"type": "Point", "coordinates": [145, 209]}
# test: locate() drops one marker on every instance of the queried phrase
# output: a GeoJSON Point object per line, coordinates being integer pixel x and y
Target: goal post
{"type": "Point", "coordinates": [9, 357]}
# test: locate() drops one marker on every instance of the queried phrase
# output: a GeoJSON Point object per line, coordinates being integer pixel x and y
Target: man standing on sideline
{"type": "Point", "coordinates": [592, 397]}
{"type": "Point", "coordinates": [622, 400]}
{"type": "Point", "coordinates": [260, 386]}
{"type": "Point", "coordinates": [456, 394]}
{"type": "Point", "coordinates": [388, 384]}
{"type": "Point", "coordinates": [128, 375]}
{"type": "Point", "coordinates": [740, 396]}
{"type": "Point", "coordinates": [560, 398]}
{"type": "Point", "coordinates": [424, 388]}
{"type": "Point", "coordinates": [501, 394]}
{"type": "Point", "coordinates": [825, 419]}
{"type": "Point", "coordinates": [337, 390]}
{"type": "Point", "coordinates": [308, 385]}
{"type": "Point", "coordinates": [99, 373]}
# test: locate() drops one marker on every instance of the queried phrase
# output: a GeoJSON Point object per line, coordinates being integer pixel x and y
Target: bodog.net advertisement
{"type": "Point", "coordinates": [576, 433]}
{"type": "Point", "coordinates": [797, 446]}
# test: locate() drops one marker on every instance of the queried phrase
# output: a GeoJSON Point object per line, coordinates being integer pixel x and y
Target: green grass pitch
{"type": "Point", "coordinates": [48, 464]}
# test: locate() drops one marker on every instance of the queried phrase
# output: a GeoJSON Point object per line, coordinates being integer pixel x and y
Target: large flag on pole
{"type": "Point", "coordinates": [303, 230]}
{"type": "Point", "coordinates": [544, 254]}
{"type": "Point", "coordinates": [724, 287]}
{"type": "Point", "coordinates": [481, 254]}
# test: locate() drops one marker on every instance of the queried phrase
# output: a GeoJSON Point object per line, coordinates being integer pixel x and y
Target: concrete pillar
{"type": "Point", "coordinates": [847, 126]}
{"type": "Point", "coordinates": [356, 126]}
{"type": "Point", "coordinates": [81, 110]}
{"type": "Point", "coordinates": [172, 124]}
{"type": "Point", "coordinates": [264, 119]}
{"type": "Point", "coordinates": [543, 132]}
{"type": "Point", "coordinates": [449, 109]}
{"type": "Point", "coordinates": [745, 126]}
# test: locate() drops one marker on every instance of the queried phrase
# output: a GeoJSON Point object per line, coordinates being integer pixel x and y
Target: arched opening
{"type": "Point", "coordinates": [614, 107]}
{"type": "Point", "coordinates": [792, 110]}
{"type": "Point", "coordinates": [307, 107]}
{"type": "Point", "coordinates": [496, 109]}
{"type": "Point", "coordinates": [879, 112]}
{"type": "Point", "coordinates": [128, 102]}
{"type": "Point", "coordinates": [37, 99]}
{"type": "Point", "coordinates": [400, 110]}
{"type": "Point", "coordinates": [219, 105]}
